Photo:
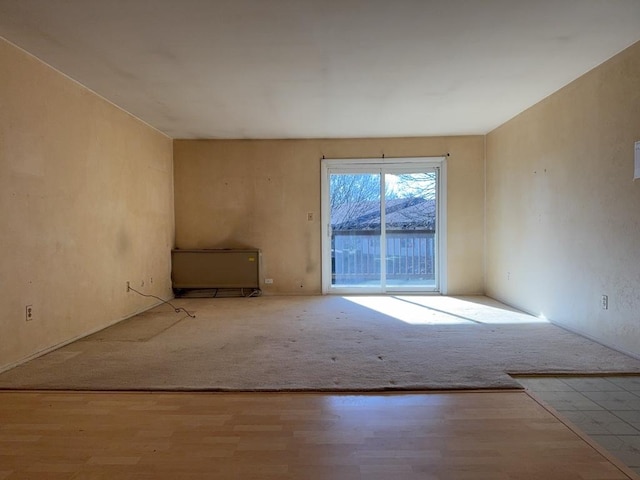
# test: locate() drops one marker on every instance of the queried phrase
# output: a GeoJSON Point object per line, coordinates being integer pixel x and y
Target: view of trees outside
{"type": "Point", "coordinates": [410, 219]}
{"type": "Point", "coordinates": [408, 185]}
{"type": "Point", "coordinates": [354, 199]}
{"type": "Point", "coordinates": [412, 203]}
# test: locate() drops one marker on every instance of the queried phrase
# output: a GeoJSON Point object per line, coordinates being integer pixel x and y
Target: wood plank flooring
{"type": "Point", "coordinates": [472, 435]}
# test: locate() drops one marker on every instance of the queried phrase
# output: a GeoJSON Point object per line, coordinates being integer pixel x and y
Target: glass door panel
{"type": "Point", "coordinates": [355, 221]}
{"type": "Point", "coordinates": [410, 230]}
{"type": "Point", "coordinates": [381, 222]}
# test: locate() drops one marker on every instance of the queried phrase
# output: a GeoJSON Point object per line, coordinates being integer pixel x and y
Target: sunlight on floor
{"type": "Point", "coordinates": [439, 310]}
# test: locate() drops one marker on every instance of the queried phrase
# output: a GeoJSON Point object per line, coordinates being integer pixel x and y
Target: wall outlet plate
{"type": "Point", "coordinates": [636, 161]}
{"type": "Point", "coordinates": [604, 301]}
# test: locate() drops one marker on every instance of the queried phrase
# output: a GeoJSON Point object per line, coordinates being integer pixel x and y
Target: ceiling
{"type": "Point", "coordinates": [322, 68]}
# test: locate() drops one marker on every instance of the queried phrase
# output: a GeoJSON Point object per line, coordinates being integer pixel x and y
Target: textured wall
{"type": "Point", "coordinates": [87, 205]}
{"type": "Point", "coordinates": [563, 213]}
{"type": "Point", "coordinates": [236, 193]}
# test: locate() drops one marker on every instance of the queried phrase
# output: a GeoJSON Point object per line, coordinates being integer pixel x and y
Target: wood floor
{"type": "Point", "coordinates": [474, 435]}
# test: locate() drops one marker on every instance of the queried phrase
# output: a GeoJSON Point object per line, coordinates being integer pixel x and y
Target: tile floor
{"type": "Point", "coordinates": [607, 409]}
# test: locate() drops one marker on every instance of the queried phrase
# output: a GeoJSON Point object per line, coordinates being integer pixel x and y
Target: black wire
{"type": "Point", "coordinates": [176, 309]}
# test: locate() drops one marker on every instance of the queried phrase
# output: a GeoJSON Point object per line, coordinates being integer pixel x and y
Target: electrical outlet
{"type": "Point", "coordinates": [28, 313]}
{"type": "Point", "coordinates": [268, 281]}
{"type": "Point", "coordinates": [604, 301]}
{"type": "Point", "coordinates": [128, 287]}
{"type": "Point", "coordinates": [309, 216]}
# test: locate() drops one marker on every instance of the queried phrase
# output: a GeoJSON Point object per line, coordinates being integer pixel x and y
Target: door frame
{"type": "Point", "coordinates": [379, 165]}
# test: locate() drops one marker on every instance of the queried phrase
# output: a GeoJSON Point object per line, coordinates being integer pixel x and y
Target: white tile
{"type": "Point", "coordinates": [629, 456]}
{"type": "Point", "coordinates": [605, 408]}
{"type": "Point", "coordinates": [615, 400]}
{"type": "Point", "coordinates": [613, 443]}
{"type": "Point", "coordinates": [600, 423]}
{"type": "Point", "coordinates": [633, 441]}
{"type": "Point", "coordinates": [631, 416]}
{"type": "Point", "coordinates": [630, 383]}
{"type": "Point", "coordinates": [591, 384]}
{"type": "Point", "coordinates": [568, 401]}
{"type": "Point", "coordinates": [544, 384]}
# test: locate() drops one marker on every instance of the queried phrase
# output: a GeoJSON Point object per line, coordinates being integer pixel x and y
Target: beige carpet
{"type": "Point", "coordinates": [322, 344]}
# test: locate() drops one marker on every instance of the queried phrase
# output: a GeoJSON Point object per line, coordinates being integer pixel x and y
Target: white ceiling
{"type": "Point", "coordinates": [322, 68]}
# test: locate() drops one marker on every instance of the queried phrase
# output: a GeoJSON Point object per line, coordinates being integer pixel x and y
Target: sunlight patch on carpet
{"type": "Point", "coordinates": [438, 310]}
{"type": "Point", "coordinates": [407, 311]}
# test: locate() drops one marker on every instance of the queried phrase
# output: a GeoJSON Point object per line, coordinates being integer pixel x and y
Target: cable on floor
{"type": "Point", "coordinates": [176, 309]}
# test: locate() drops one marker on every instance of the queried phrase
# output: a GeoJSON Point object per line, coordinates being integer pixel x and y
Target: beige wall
{"type": "Point", "coordinates": [563, 213]}
{"type": "Point", "coordinates": [87, 204]}
{"type": "Point", "coordinates": [238, 193]}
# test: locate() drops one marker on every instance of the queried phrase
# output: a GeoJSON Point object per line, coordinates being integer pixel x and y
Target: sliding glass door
{"type": "Point", "coordinates": [355, 219]}
{"type": "Point", "coordinates": [410, 230]}
{"type": "Point", "coordinates": [381, 225]}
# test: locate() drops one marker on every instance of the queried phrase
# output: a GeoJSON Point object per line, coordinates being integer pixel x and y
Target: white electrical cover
{"type": "Point", "coordinates": [636, 163]}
